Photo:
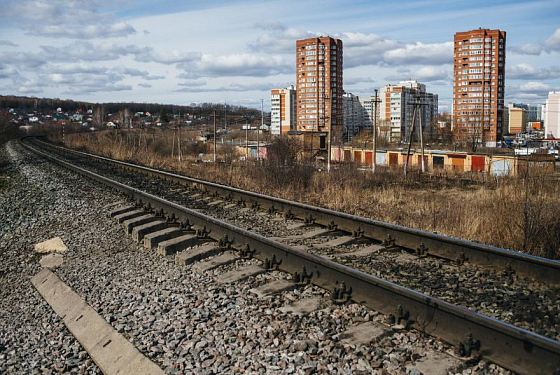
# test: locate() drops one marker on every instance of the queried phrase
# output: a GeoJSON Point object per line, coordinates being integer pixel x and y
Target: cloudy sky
{"type": "Point", "coordinates": [186, 51]}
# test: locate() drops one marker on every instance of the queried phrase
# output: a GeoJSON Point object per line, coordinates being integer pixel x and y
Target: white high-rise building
{"type": "Point", "coordinates": [283, 110]}
{"type": "Point", "coordinates": [552, 115]}
{"type": "Point", "coordinates": [397, 107]}
{"type": "Point", "coordinates": [352, 115]}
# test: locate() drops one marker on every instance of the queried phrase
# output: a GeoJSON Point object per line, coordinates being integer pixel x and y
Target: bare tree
{"type": "Point", "coordinates": [98, 117]}
{"type": "Point", "coordinates": [123, 117]}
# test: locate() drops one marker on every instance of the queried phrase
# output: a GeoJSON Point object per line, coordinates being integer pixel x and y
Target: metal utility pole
{"type": "Point", "coordinates": [246, 140]}
{"type": "Point", "coordinates": [259, 129]}
{"type": "Point", "coordinates": [374, 156]}
{"type": "Point", "coordinates": [325, 119]}
{"type": "Point", "coordinates": [421, 129]}
{"type": "Point", "coordinates": [411, 133]}
{"type": "Point", "coordinates": [214, 136]}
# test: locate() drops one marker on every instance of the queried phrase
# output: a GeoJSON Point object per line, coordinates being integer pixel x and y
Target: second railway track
{"type": "Point", "coordinates": [415, 240]}
{"type": "Point", "coordinates": [511, 347]}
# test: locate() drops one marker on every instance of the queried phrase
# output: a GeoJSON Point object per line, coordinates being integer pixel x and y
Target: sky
{"type": "Point", "coordinates": [183, 52]}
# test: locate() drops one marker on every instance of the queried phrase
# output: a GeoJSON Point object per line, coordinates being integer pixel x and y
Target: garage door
{"type": "Point", "coordinates": [477, 164]}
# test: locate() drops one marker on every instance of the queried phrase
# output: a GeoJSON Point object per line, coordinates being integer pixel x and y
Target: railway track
{"type": "Point", "coordinates": [415, 240]}
{"type": "Point", "coordinates": [471, 333]}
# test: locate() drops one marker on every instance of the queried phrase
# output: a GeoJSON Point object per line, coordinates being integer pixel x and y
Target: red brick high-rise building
{"type": "Point", "coordinates": [319, 85]}
{"type": "Point", "coordinates": [478, 86]}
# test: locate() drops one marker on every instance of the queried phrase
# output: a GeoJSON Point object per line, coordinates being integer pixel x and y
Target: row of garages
{"type": "Point", "coordinates": [458, 162]}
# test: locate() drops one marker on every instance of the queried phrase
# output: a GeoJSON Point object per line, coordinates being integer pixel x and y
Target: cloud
{"type": "Point", "coordinates": [278, 38]}
{"type": "Point", "coordinates": [420, 54]}
{"type": "Point", "coordinates": [85, 32]}
{"type": "Point", "coordinates": [22, 59]}
{"type": "Point", "coordinates": [526, 49]}
{"type": "Point", "coordinates": [425, 74]}
{"type": "Point", "coordinates": [8, 72]}
{"type": "Point", "coordinates": [188, 75]}
{"type": "Point", "coordinates": [359, 48]}
{"type": "Point", "coordinates": [133, 72]}
{"type": "Point", "coordinates": [76, 78]}
{"type": "Point", "coordinates": [87, 51]}
{"type": "Point", "coordinates": [234, 87]}
{"type": "Point", "coordinates": [530, 91]}
{"type": "Point", "coordinates": [270, 25]}
{"type": "Point", "coordinates": [365, 49]}
{"type": "Point", "coordinates": [349, 81]}
{"type": "Point", "coordinates": [192, 83]}
{"type": "Point", "coordinates": [96, 87]}
{"type": "Point", "coordinates": [175, 57]}
{"type": "Point", "coordinates": [8, 43]}
{"type": "Point", "coordinates": [74, 69]}
{"type": "Point", "coordinates": [525, 71]}
{"type": "Point", "coordinates": [553, 42]}
{"type": "Point", "coordinates": [77, 19]}
{"type": "Point", "coordinates": [30, 90]}
{"type": "Point", "coordinates": [238, 65]}
{"type": "Point", "coordinates": [535, 87]}
{"type": "Point", "coordinates": [145, 85]}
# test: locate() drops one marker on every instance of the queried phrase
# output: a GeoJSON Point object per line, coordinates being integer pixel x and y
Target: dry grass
{"type": "Point", "coordinates": [520, 214]}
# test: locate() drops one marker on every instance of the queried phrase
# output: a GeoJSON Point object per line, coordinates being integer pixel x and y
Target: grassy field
{"type": "Point", "coordinates": [516, 213]}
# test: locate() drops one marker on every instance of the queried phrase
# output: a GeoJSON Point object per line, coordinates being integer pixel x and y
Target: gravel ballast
{"type": "Point", "coordinates": [183, 320]}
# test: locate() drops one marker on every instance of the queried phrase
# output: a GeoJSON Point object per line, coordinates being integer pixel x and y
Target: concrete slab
{"type": "Point", "coordinates": [363, 334]}
{"type": "Point", "coordinates": [372, 249]}
{"type": "Point", "coordinates": [303, 306]}
{"type": "Point", "coordinates": [273, 287]}
{"type": "Point", "coordinates": [339, 241]}
{"type": "Point", "coordinates": [112, 352]}
{"type": "Point", "coordinates": [230, 206]}
{"type": "Point", "coordinates": [196, 196]}
{"type": "Point", "coordinates": [51, 260]}
{"type": "Point", "coordinates": [129, 215]}
{"type": "Point", "coordinates": [120, 210]}
{"type": "Point", "coordinates": [240, 274]}
{"type": "Point", "coordinates": [435, 363]}
{"type": "Point", "coordinates": [128, 225]}
{"type": "Point", "coordinates": [215, 203]}
{"type": "Point", "coordinates": [189, 256]}
{"type": "Point", "coordinates": [220, 260]}
{"type": "Point", "coordinates": [173, 245]}
{"type": "Point", "coordinates": [140, 231]}
{"type": "Point", "coordinates": [54, 245]}
{"type": "Point", "coordinates": [151, 240]}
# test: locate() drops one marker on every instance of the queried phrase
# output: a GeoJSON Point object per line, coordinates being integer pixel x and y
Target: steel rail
{"type": "Point", "coordinates": [511, 347]}
{"type": "Point", "coordinates": [447, 247]}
